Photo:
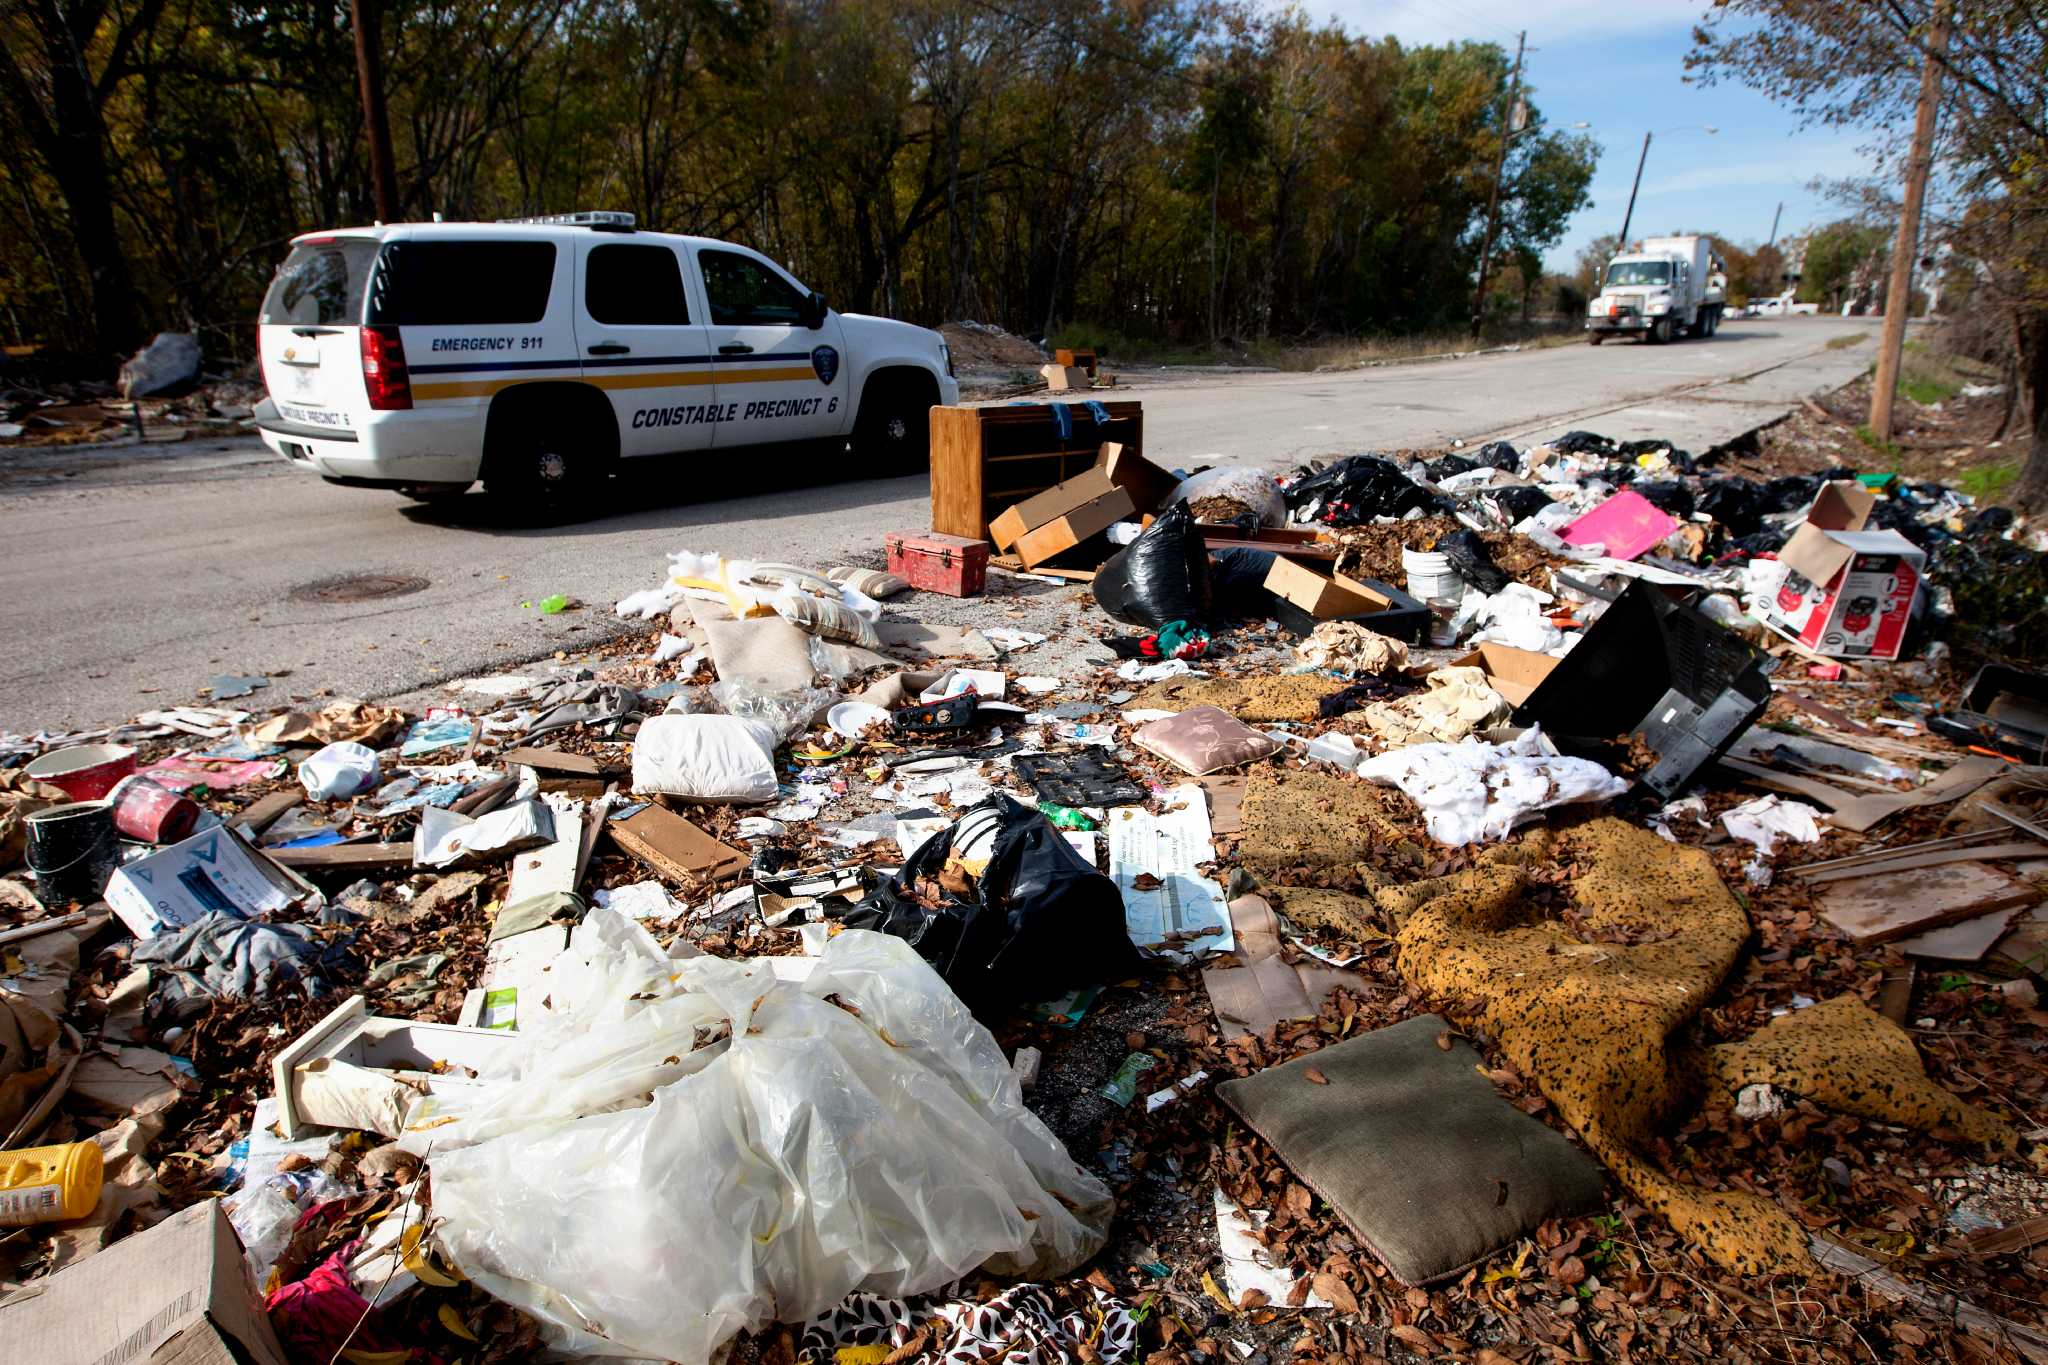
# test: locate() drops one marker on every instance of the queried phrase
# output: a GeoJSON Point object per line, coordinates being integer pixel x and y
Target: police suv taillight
{"type": "Point", "coordinates": [384, 372]}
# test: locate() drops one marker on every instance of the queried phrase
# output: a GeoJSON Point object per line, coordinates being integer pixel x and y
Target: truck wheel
{"type": "Point", "coordinates": [1659, 333]}
{"type": "Point", "coordinates": [1593, 340]}
{"type": "Point", "coordinates": [894, 426]}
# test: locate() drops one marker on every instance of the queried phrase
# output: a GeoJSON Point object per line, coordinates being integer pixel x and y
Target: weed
{"type": "Point", "coordinates": [1988, 482]}
{"type": "Point", "coordinates": [1843, 343]}
{"type": "Point", "coordinates": [1889, 449]}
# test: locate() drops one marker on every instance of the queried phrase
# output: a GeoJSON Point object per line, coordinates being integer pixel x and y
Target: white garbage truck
{"type": "Point", "coordinates": [1661, 288]}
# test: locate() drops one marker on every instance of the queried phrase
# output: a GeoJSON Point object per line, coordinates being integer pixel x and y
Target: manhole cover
{"type": "Point", "coordinates": [366, 587]}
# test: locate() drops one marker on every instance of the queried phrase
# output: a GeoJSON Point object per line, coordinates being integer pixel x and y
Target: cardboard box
{"type": "Point", "coordinates": [1848, 592]}
{"type": "Point", "coordinates": [1043, 509]}
{"type": "Point", "coordinates": [212, 870]}
{"type": "Point", "coordinates": [1323, 596]}
{"type": "Point", "coordinates": [1075, 359]}
{"type": "Point", "coordinates": [177, 1292]}
{"type": "Point", "coordinates": [1514, 673]}
{"type": "Point", "coordinates": [1148, 484]}
{"type": "Point", "coordinates": [1060, 378]}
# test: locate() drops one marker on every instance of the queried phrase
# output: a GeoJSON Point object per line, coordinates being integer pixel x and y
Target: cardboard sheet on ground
{"type": "Point", "coordinates": [1263, 989]}
{"type": "Point", "coordinates": [1185, 911]}
{"type": "Point", "coordinates": [1426, 1163]}
{"type": "Point", "coordinates": [1893, 905]}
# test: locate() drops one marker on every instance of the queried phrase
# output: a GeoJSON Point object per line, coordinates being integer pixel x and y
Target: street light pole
{"type": "Point", "coordinates": [1621, 243]}
{"type": "Point", "coordinates": [1507, 135]}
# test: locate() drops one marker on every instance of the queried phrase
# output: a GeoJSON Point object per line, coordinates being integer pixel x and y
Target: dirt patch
{"type": "Point", "coordinates": [985, 346]}
{"type": "Point", "coordinates": [1375, 551]}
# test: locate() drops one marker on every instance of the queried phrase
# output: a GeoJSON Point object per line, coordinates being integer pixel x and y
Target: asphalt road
{"type": "Point", "coordinates": [134, 575]}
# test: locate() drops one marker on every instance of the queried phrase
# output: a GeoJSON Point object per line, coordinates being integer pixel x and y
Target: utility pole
{"type": "Point", "coordinates": [1507, 135]}
{"type": "Point", "coordinates": [363, 17]}
{"type": "Point", "coordinates": [1774, 225]}
{"type": "Point", "coordinates": [1622, 243]}
{"type": "Point", "coordinates": [1898, 299]}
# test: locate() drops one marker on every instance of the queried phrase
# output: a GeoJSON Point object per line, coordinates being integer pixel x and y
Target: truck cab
{"type": "Point", "coordinates": [1664, 287]}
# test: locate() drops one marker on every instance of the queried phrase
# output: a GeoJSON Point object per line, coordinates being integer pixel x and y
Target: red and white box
{"type": "Point", "coordinates": [1847, 592]}
{"type": "Point", "coordinates": [931, 562]}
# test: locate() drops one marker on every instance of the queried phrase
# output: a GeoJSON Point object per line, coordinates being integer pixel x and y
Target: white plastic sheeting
{"type": "Point", "coordinates": [678, 1151]}
{"type": "Point", "coordinates": [1473, 791]}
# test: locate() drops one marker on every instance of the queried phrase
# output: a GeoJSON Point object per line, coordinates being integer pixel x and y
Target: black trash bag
{"type": "Point", "coordinates": [1444, 466]}
{"type": "Point", "coordinates": [1161, 576]}
{"type": "Point", "coordinates": [1766, 541]}
{"type": "Point", "coordinates": [1584, 443]}
{"type": "Point", "coordinates": [1791, 493]}
{"type": "Point", "coordinates": [1501, 455]}
{"type": "Point", "coordinates": [1989, 521]}
{"type": "Point", "coordinates": [1356, 489]}
{"type": "Point", "coordinates": [1037, 923]}
{"type": "Point", "coordinates": [1629, 450]}
{"type": "Point", "coordinates": [1737, 503]}
{"type": "Point", "coordinates": [1237, 583]}
{"type": "Point", "coordinates": [1519, 503]}
{"type": "Point", "coordinates": [1667, 495]}
{"type": "Point", "coordinates": [1890, 514]}
{"type": "Point", "coordinates": [1467, 553]}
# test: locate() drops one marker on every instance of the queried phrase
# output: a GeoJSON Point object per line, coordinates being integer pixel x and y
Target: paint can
{"type": "Point", "coordinates": [152, 813]}
{"type": "Point", "coordinates": [84, 772]}
{"type": "Point", "coordinates": [73, 851]}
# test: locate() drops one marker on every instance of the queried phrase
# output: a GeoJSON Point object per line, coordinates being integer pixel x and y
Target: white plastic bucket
{"type": "Point", "coordinates": [1430, 576]}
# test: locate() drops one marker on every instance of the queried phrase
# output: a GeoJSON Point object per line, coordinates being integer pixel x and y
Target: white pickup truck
{"type": "Point", "coordinates": [1665, 287]}
{"type": "Point", "coordinates": [540, 354]}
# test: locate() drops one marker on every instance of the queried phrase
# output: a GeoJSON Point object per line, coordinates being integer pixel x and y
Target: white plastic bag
{"type": "Point", "coordinates": [710, 758]}
{"type": "Point", "coordinates": [1252, 487]}
{"type": "Point", "coordinates": [339, 770]}
{"type": "Point", "coordinates": [1472, 792]}
{"type": "Point", "coordinates": [679, 1151]}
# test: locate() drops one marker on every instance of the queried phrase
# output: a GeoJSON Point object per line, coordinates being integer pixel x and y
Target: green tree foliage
{"type": "Point", "coordinates": [1185, 170]}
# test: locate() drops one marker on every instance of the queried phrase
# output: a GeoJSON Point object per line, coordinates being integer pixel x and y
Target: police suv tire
{"type": "Point", "coordinates": [894, 426]}
{"type": "Point", "coordinates": [538, 469]}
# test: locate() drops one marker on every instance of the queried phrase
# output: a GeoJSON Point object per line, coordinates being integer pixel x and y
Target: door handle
{"type": "Point", "coordinates": [735, 348]}
{"type": "Point", "coordinates": [609, 348]}
{"type": "Point", "coordinates": [315, 331]}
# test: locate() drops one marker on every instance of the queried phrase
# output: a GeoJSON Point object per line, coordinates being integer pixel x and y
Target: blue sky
{"type": "Point", "coordinates": [1620, 67]}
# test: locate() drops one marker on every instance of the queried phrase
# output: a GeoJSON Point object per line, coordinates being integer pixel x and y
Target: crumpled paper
{"type": "Point", "coordinates": [1350, 648]}
{"type": "Point", "coordinates": [1472, 792]}
{"type": "Point", "coordinates": [1458, 702]}
{"type": "Point", "coordinates": [1762, 823]}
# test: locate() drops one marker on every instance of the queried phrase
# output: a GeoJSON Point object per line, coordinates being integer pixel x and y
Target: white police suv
{"type": "Point", "coordinates": [539, 354]}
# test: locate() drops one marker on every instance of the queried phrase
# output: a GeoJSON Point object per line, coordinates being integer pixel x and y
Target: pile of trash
{"type": "Point", "coordinates": [163, 393]}
{"type": "Point", "coordinates": [807, 977]}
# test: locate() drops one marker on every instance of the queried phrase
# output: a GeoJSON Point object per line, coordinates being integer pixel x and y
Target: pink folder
{"type": "Point", "coordinates": [1627, 524]}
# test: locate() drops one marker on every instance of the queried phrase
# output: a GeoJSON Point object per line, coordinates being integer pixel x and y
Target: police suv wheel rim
{"type": "Point", "coordinates": [551, 467]}
{"type": "Point", "coordinates": [898, 428]}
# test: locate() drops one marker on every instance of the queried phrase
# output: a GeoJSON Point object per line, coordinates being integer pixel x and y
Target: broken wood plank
{"type": "Point", "coordinates": [344, 857]}
{"type": "Point", "coordinates": [553, 866]}
{"type": "Point", "coordinates": [2024, 1235]}
{"type": "Point", "coordinates": [1878, 855]}
{"type": "Point", "coordinates": [486, 798]}
{"type": "Point", "coordinates": [1016, 565]}
{"type": "Point", "coordinates": [267, 811]}
{"type": "Point", "coordinates": [1895, 997]}
{"type": "Point", "coordinates": [1907, 862]}
{"type": "Point", "coordinates": [2030, 1342]}
{"type": "Point", "coordinates": [41, 927]}
{"type": "Point", "coordinates": [675, 848]}
{"type": "Point", "coordinates": [1965, 941]}
{"type": "Point", "coordinates": [1891, 905]}
{"type": "Point", "coordinates": [553, 761]}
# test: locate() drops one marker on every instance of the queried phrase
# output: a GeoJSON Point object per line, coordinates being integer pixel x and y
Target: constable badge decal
{"type": "Point", "coordinates": [825, 361]}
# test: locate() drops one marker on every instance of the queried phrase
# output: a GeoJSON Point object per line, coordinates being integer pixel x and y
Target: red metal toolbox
{"type": "Point", "coordinates": [931, 562]}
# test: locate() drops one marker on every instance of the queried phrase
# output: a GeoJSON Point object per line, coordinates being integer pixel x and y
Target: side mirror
{"type": "Point", "coordinates": [814, 312]}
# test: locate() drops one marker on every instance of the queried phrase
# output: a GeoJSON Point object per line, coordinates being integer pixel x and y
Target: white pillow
{"type": "Point", "coordinates": [707, 758]}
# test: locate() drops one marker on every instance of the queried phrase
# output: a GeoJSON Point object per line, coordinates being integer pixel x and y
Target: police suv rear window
{"type": "Point", "coordinates": [321, 283]}
{"type": "Point", "coordinates": [458, 284]}
{"type": "Point", "coordinates": [630, 285]}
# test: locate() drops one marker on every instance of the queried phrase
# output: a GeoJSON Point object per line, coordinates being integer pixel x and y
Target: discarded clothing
{"type": "Point", "coordinates": [223, 955]}
{"type": "Point", "coordinates": [1472, 792]}
{"type": "Point", "coordinates": [1458, 701]}
{"type": "Point", "coordinates": [1347, 647]}
{"type": "Point", "coordinates": [1023, 1323]}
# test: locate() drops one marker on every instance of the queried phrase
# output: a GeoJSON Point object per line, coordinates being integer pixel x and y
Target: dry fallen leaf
{"type": "Point", "coordinates": [1314, 1075]}
{"type": "Point", "coordinates": [1215, 1291]}
{"type": "Point", "coordinates": [1335, 1292]}
{"type": "Point", "coordinates": [1252, 1298]}
{"type": "Point", "coordinates": [1443, 1041]}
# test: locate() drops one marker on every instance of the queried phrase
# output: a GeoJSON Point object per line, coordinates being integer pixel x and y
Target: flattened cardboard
{"type": "Point", "coordinates": [554, 761]}
{"type": "Point", "coordinates": [1323, 596]}
{"type": "Point", "coordinates": [1060, 378]}
{"type": "Point", "coordinates": [674, 847]}
{"type": "Point", "coordinates": [176, 1292]}
{"type": "Point", "coordinates": [1892, 905]}
{"type": "Point", "coordinates": [1042, 509]}
{"type": "Point", "coordinates": [1514, 673]}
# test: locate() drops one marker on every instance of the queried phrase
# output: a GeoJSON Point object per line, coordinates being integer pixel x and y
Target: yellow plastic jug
{"type": "Point", "coordinates": [49, 1184]}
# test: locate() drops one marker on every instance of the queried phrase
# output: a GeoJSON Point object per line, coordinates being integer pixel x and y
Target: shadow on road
{"type": "Point", "coordinates": [695, 488]}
